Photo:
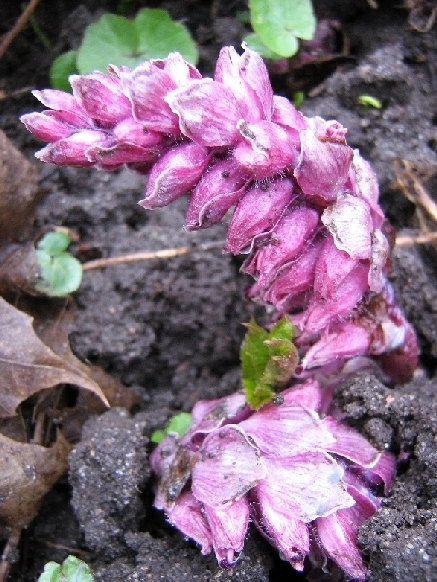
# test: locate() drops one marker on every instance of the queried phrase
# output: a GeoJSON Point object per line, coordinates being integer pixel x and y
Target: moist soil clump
{"type": "Point", "coordinates": [171, 329]}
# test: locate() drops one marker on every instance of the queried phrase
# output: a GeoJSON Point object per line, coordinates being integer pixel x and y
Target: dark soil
{"type": "Point", "coordinates": [171, 329]}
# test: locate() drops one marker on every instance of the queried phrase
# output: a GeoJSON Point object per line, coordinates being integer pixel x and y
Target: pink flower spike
{"type": "Point", "coordinates": [187, 515]}
{"type": "Point", "coordinates": [229, 467]}
{"type": "Point", "coordinates": [350, 224]}
{"type": "Point", "coordinates": [286, 115]}
{"type": "Point", "coordinates": [229, 528]}
{"type": "Point", "coordinates": [46, 127]}
{"type": "Point", "coordinates": [101, 96]}
{"type": "Point", "coordinates": [146, 86]}
{"type": "Point", "coordinates": [247, 77]}
{"type": "Point", "coordinates": [323, 167]}
{"type": "Point", "coordinates": [174, 174]}
{"type": "Point", "coordinates": [72, 151]}
{"type": "Point", "coordinates": [267, 149]}
{"type": "Point", "coordinates": [220, 188]}
{"type": "Point", "coordinates": [207, 112]}
{"type": "Point", "coordinates": [256, 214]}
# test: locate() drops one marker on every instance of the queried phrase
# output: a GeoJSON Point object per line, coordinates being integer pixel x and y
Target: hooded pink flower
{"type": "Point", "coordinates": [285, 467]}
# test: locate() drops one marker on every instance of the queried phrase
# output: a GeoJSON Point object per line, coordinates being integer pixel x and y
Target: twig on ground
{"type": "Point", "coordinates": [18, 26]}
{"type": "Point", "coordinates": [411, 187]}
{"type": "Point", "coordinates": [421, 239]}
{"type": "Point", "coordinates": [150, 255]}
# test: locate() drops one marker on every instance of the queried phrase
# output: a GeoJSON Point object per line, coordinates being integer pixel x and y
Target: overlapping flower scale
{"type": "Point", "coordinates": [306, 204]}
{"type": "Point", "coordinates": [285, 467]}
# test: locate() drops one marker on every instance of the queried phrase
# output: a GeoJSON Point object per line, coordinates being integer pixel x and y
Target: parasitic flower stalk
{"type": "Point", "coordinates": [306, 215]}
{"type": "Point", "coordinates": [307, 482]}
{"type": "Point", "coordinates": [306, 208]}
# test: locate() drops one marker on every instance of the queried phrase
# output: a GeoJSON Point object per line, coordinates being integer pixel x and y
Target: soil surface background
{"type": "Point", "coordinates": [171, 329]}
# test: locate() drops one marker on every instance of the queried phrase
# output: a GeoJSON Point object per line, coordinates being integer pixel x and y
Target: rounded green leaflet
{"type": "Point", "coordinates": [62, 67]}
{"type": "Point", "coordinates": [60, 275]}
{"type": "Point", "coordinates": [71, 570]}
{"type": "Point", "coordinates": [54, 243]}
{"type": "Point", "coordinates": [119, 41]}
{"type": "Point", "coordinates": [280, 23]}
{"type": "Point", "coordinates": [254, 42]}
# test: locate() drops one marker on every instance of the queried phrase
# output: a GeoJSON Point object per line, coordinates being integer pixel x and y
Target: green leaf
{"type": "Point", "coordinates": [60, 275]}
{"type": "Point", "coordinates": [369, 101]}
{"type": "Point", "coordinates": [61, 69]}
{"type": "Point", "coordinates": [268, 360]}
{"type": "Point", "coordinates": [71, 570]}
{"type": "Point", "coordinates": [159, 35]}
{"type": "Point", "coordinates": [254, 42]}
{"type": "Point", "coordinates": [54, 243]}
{"type": "Point", "coordinates": [119, 41]}
{"type": "Point", "coordinates": [279, 23]}
{"type": "Point", "coordinates": [178, 424]}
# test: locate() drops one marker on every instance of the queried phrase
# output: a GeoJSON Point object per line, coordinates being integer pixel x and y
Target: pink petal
{"type": "Point", "coordinates": [219, 189]}
{"type": "Point", "coordinates": [350, 444]}
{"type": "Point", "coordinates": [304, 486]}
{"type": "Point", "coordinates": [286, 115]}
{"type": "Point", "coordinates": [179, 70]}
{"type": "Point", "coordinates": [323, 167]}
{"type": "Point", "coordinates": [61, 101]}
{"type": "Point", "coordinates": [117, 155]}
{"type": "Point", "coordinates": [350, 224]}
{"type": "Point", "coordinates": [101, 96]}
{"type": "Point", "coordinates": [307, 394]}
{"type": "Point", "coordinates": [287, 429]}
{"type": "Point", "coordinates": [207, 111]}
{"type": "Point", "coordinates": [256, 214]}
{"type": "Point", "coordinates": [174, 174]}
{"type": "Point", "coordinates": [332, 267]}
{"type": "Point", "coordinates": [383, 471]}
{"type": "Point", "coordinates": [379, 261]}
{"type": "Point", "coordinates": [132, 132]}
{"type": "Point", "coordinates": [46, 127]}
{"type": "Point", "coordinates": [247, 77]}
{"type": "Point", "coordinates": [229, 467]}
{"type": "Point", "coordinates": [322, 313]}
{"type": "Point", "coordinates": [283, 530]}
{"type": "Point", "coordinates": [146, 86]}
{"type": "Point", "coordinates": [229, 528]}
{"type": "Point", "coordinates": [345, 340]}
{"type": "Point", "coordinates": [71, 151]}
{"type": "Point", "coordinates": [366, 187]}
{"type": "Point", "coordinates": [187, 515]}
{"type": "Point", "coordinates": [338, 537]}
{"type": "Point", "coordinates": [286, 243]}
{"type": "Point", "coordinates": [267, 148]}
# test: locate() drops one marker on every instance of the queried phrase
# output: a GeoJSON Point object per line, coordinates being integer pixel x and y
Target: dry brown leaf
{"type": "Point", "coordinates": [27, 473]}
{"type": "Point", "coordinates": [27, 365]}
{"type": "Point", "coordinates": [19, 270]}
{"type": "Point", "coordinates": [19, 192]}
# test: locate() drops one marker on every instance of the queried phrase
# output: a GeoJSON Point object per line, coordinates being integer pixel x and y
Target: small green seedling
{"type": "Point", "coordinates": [71, 570]}
{"type": "Point", "coordinates": [278, 24]}
{"type": "Point", "coordinates": [268, 360]}
{"type": "Point", "coordinates": [369, 101]}
{"type": "Point", "coordinates": [61, 273]}
{"type": "Point", "coordinates": [116, 40]}
{"type": "Point", "coordinates": [178, 424]}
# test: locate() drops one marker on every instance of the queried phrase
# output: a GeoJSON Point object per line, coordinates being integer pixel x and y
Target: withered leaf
{"type": "Point", "coordinates": [19, 270]}
{"type": "Point", "coordinates": [27, 365]}
{"type": "Point", "coordinates": [19, 192]}
{"type": "Point", "coordinates": [27, 473]}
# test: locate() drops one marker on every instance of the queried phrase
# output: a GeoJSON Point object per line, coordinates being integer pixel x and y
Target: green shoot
{"type": "Point", "coordinates": [268, 360]}
{"type": "Point", "coordinates": [178, 424]}
{"type": "Point", "coordinates": [369, 101]}
{"type": "Point", "coordinates": [61, 273]}
{"type": "Point", "coordinates": [71, 570]}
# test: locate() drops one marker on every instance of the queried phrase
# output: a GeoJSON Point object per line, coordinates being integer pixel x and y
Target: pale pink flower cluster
{"type": "Point", "coordinates": [305, 204]}
{"type": "Point", "coordinates": [306, 482]}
